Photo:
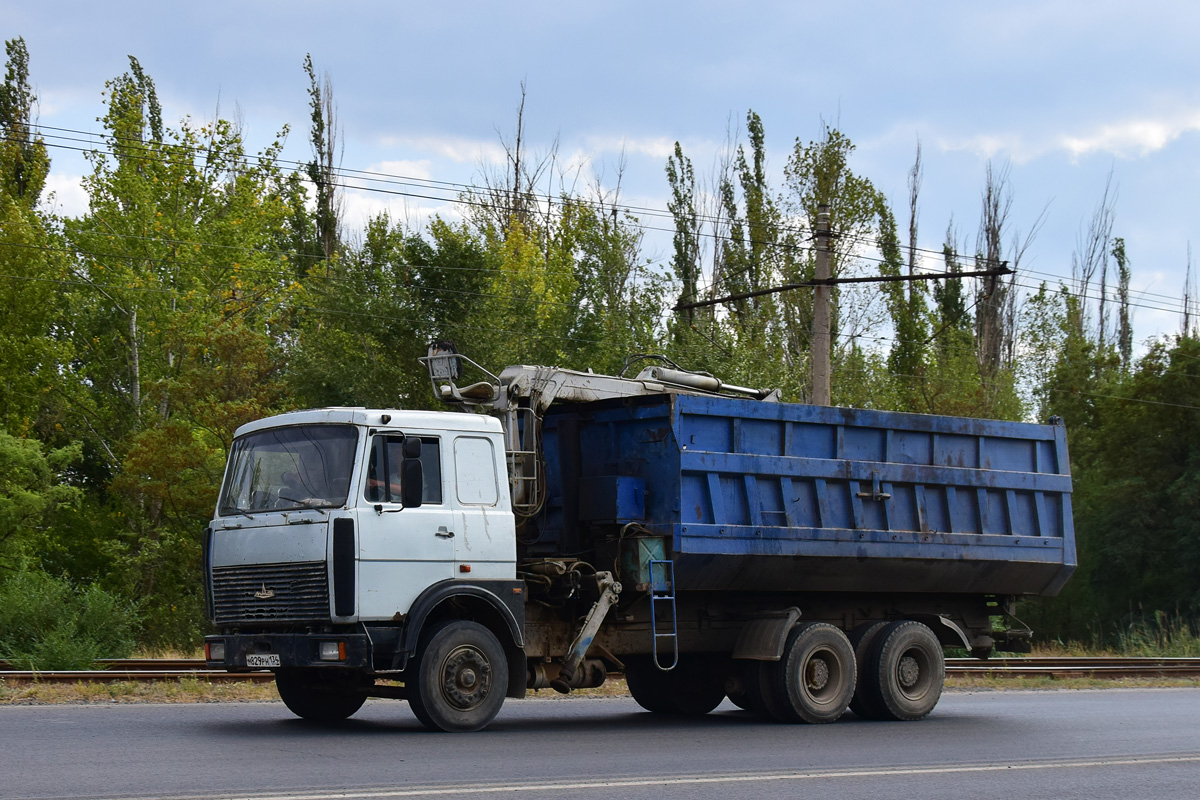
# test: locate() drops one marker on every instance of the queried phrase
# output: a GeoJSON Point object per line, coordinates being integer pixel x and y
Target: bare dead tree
{"type": "Point", "coordinates": [996, 305]}
{"type": "Point", "coordinates": [1124, 326]}
{"type": "Point", "coordinates": [510, 194]}
{"type": "Point", "coordinates": [915, 176]}
{"type": "Point", "coordinates": [1188, 326]}
{"type": "Point", "coordinates": [993, 292]}
{"type": "Point", "coordinates": [1090, 261]}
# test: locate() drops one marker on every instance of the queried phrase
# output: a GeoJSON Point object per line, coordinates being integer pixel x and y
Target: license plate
{"type": "Point", "coordinates": [263, 660]}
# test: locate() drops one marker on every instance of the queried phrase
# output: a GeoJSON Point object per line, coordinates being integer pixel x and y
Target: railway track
{"type": "Point", "coordinates": [164, 669]}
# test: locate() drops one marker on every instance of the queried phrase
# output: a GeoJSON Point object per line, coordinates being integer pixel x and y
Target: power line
{"type": "Point", "coordinates": [198, 150]}
{"type": "Point", "coordinates": [336, 278]}
{"type": "Point", "coordinates": [461, 188]}
{"type": "Point", "coordinates": [147, 147]}
{"type": "Point", "coordinates": [1004, 270]}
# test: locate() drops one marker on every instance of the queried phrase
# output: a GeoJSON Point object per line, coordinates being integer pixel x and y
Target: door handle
{"type": "Point", "coordinates": [443, 533]}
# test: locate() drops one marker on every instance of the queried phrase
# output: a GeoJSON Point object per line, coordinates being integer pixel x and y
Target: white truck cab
{"type": "Point", "coordinates": [335, 525]}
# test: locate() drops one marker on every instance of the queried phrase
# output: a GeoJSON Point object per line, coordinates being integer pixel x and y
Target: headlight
{"type": "Point", "coordinates": [331, 651]}
{"type": "Point", "coordinates": [214, 651]}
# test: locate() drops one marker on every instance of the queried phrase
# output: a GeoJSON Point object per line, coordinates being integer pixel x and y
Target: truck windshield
{"type": "Point", "coordinates": [305, 466]}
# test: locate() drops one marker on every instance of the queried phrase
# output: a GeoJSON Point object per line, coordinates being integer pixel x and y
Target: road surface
{"type": "Point", "coordinates": [1139, 744]}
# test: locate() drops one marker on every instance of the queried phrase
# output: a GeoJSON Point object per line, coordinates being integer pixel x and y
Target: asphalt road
{"type": "Point", "coordinates": [1089, 744]}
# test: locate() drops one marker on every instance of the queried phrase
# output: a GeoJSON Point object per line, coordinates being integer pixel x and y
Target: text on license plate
{"type": "Point", "coordinates": [262, 660]}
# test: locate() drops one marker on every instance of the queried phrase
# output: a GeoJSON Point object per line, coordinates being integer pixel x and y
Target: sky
{"type": "Point", "coordinates": [1067, 96]}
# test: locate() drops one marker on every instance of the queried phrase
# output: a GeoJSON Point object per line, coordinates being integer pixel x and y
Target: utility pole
{"type": "Point", "coordinates": [821, 394]}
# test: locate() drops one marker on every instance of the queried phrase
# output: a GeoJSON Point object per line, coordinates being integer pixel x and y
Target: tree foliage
{"type": "Point", "coordinates": [207, 286]}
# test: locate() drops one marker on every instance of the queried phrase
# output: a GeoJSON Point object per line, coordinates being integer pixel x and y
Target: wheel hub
{"type": "Point", "coordinates": [466, 678]}
{"type": "Point", "coordinates": [818, 674]}
{"type": "Point", "coordinates": [909, 672]}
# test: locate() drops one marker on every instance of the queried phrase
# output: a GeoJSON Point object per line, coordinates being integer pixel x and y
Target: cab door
{"type": "Point", "coordinates": [401, 551]}
{"type": "Point", "coordinates": [486, 544]}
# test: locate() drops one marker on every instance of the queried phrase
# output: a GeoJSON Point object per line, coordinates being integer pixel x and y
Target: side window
{"type": "Point", "coordinates": [383, 470]}
{"type": "Point", "coordinates": [475, 470]}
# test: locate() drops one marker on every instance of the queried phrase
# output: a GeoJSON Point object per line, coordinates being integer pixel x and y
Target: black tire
{"type": "Point", "coordinates": [865, 704]}
{"type": "Point", "coordinates": [321, 695]}
{"type": "Point", "coordinates": [759, 695]}
{"type": "Point", "coordinates": [459, 677]}
{"type": "Point", "coordinates": [908, 671]}
{"type": "Point", "coordinates": [648, 686]}
{"type": "Point", "coordinates": [693, 688]}
{"type": "Point", "coordinates": [697, 686]}
{"type": "Point", "coordinates": [814, 680]}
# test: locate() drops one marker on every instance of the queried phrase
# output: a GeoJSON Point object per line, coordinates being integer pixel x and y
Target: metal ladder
{"type": "Point", "coordinates": [524, 477]}
{"type": "Point", "coordinates": [662, 593]}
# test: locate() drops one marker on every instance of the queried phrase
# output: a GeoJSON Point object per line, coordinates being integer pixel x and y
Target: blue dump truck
{"type": "Point", "coordinates": [704, 540]}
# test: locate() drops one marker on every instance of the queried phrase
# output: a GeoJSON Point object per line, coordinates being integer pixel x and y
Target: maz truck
{"type": "Point", "coordinates": [704, 540]}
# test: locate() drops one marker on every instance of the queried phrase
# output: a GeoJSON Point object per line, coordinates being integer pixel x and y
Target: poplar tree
{"type": "Point", "coordinates": [30, 256]}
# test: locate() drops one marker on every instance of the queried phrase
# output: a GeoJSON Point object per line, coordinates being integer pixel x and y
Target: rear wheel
{"type": "Point", "coordinates": [321, 695]}
{"type": "Point", "coordinates": [648, 686]}
{"type": "Point", "coordinates": [697, 686]}
{"type": "Point", "coordinates": [460, 677]}
{"type": "Point", "coordinates": [693, 688]}
{"type": "Point", "coordinates": [759, 695]}
{"type": "Point", "coordinates": [814, 680]}
{"type": "Point", "coordinates": [864, 703]}
{"type": "Point", "coordinates": [907, 671]}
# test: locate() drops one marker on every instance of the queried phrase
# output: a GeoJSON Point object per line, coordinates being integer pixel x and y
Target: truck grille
{"type": "Point", "coordinates": [294, 592]}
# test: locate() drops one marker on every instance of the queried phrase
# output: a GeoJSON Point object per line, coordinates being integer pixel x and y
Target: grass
{"type": "Point", "coordinates": [184, 690]}
{"type": "Point", "coordinates": [193, 690]}
{"type": "Point", "coordinates": [1158, 636]}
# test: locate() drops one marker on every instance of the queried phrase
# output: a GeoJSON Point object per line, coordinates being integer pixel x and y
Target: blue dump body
{"type": "Point", "coordinates": [755, 496]}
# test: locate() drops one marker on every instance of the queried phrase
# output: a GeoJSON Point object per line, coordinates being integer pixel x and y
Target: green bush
{"type": "Point", "coordinates": [1159, 636]}
{"type": "Point", "coordinates": [48, 623]}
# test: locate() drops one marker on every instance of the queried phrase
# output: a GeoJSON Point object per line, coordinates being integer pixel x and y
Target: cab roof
{"type": "Point", "coordinates": [396, 419]}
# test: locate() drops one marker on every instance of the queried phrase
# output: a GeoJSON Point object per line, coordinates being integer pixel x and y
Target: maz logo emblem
{"type": "Point", "coordinates": [265, 593]}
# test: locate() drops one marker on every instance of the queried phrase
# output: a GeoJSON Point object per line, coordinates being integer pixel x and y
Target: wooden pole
{"type": "Point", "coordinates": [821, 344]}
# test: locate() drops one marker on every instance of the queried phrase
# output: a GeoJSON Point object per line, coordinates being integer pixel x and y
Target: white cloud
{"type": "Point", "coordinates": [989, 145]}
{"type": "Point", "coordinates": [420, 170]}
{"type": "Point", "coordinates": [1129, 138]}
{"type": "Point", "coordinates": [655, 146]}
{"type": "Point", "coordinates": [1132, 138]}
{"type": "Point", "coordinates": [359, 207]}
{"type": "Point", "coordinates": [458, 149]}
{"type": "Point", "coordinates": [65, 195]}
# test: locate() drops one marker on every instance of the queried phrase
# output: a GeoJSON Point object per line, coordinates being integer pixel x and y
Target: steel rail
{"type": "Point", "coordinates": [1075, 667]}
{"type": "Point", "coordinates": [160, 669]}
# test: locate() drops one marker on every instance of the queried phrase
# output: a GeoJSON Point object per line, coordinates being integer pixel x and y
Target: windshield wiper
{"type": "Point", "coordinates": [308, 504]}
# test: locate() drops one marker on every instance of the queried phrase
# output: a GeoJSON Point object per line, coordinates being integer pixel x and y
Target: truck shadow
{"type": "Point", "coordinates": [549, 718]}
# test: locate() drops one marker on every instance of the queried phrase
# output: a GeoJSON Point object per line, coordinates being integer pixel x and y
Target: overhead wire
{"type": "Point", "coordinates": [200, 150]}
{"type": "Point", "coordinates": [461, 188]}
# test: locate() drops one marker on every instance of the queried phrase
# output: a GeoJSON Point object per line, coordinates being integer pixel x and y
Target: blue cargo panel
{"type": "Point", "coordinates": [783, 497]}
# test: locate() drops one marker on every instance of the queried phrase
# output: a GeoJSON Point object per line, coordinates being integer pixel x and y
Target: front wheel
{"type": "Point", "coordinates": [321, 695]}
{"type": "Point", "coordinates": [460, 677]}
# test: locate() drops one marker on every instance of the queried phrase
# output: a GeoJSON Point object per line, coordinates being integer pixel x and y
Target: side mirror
{"type": "Point", "coordinates": [412, 448]}
{"type": "Point", "coordinates": [412, 476]}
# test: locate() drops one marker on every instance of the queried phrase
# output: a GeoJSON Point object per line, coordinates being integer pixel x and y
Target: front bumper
{"type": "Point", "coordinates": [292, 650]}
